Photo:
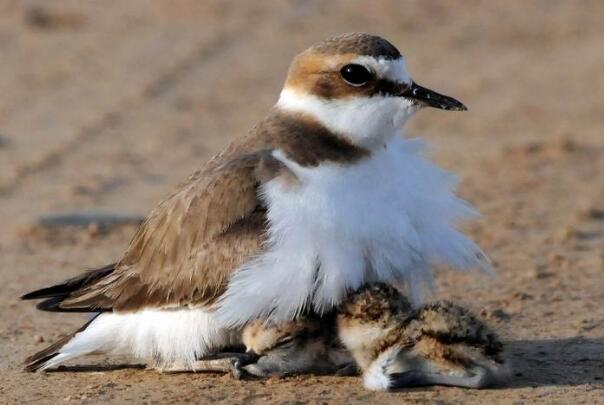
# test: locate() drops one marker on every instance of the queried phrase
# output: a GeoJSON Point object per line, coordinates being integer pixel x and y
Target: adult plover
{"type": "Point", "coordinates": [320, 197]}
{"type": "Point", "coordinates": [439, 344]}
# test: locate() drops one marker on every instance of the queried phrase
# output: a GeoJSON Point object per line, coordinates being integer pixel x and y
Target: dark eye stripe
{"type": "Point", "coordinates": [331, 85]}
{"type": "Point", "coordinates": [389, 88]}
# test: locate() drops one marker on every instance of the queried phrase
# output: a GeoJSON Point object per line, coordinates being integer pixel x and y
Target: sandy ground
{"type": "Point", "coordinates": [107, 105]}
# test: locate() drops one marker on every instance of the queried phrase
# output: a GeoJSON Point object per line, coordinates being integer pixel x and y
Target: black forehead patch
{"type": "Point", "coordinates": [359, 43]}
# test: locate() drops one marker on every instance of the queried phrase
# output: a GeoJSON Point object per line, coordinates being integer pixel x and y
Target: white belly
{"type": "Point", "coordinates": [387, 218]}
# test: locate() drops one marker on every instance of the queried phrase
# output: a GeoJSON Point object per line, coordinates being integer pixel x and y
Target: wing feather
{"type": "Point", "coordinates": [187, 248]}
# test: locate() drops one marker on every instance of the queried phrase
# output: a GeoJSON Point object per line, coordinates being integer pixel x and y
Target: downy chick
{"type": "Point", "coordinates": [306, 345]}
{"type": "Point", "coordinates": [396, 346]}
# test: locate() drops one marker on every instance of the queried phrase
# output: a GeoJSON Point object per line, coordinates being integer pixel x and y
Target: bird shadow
{"type": "Point", "coordinates": [570, 361]}
{"type": "Point", "coordinates": [91, 368]}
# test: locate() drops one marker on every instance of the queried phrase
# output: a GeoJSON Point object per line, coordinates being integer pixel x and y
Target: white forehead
{"type": "Point", "coordinates": [391, 69]}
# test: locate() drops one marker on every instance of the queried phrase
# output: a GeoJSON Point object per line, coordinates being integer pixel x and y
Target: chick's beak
{"type": "Point", "coordinates": [250, 357]}
{"type": "Point", "coordinates": [431, 98]}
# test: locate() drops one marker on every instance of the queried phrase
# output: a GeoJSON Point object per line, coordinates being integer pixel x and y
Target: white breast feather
{"type": "Point", "coordinates": [388, 218]}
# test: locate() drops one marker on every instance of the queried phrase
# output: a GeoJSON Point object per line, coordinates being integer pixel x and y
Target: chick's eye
{"type": "Point", "coordinates": [356, 75]}
{"type": "Point", "coordinates": [284, 341]}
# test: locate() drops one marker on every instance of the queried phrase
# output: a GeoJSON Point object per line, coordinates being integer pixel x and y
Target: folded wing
{"type": "Point", "coordinates": [187, 248]}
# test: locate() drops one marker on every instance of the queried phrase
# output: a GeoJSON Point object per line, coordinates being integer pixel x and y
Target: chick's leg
{"type": "Point", "coordinates": [478, 378]}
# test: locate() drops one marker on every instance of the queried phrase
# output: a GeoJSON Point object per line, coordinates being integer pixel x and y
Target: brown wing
{"type": "Point", "coordinates": [185, 251]}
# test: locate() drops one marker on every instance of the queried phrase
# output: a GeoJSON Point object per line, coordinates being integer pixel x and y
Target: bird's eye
{"type": "Point", "coordinates": [284, 341]}
{"type": "Point", "coordinates": [356, 75]}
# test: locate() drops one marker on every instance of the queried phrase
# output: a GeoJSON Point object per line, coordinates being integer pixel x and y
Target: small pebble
{"type": "Point", "coordinates": [595, 213]}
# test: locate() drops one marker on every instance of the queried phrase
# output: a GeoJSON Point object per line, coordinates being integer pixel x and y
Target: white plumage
{"type": "Point", "coordinates": [167, 336]}
{"type": "Point", "coordinates": [387, 218]}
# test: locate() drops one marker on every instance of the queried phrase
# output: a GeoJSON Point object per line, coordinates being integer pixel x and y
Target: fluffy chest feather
{"type": "Point", "coordinates": [385, 218]}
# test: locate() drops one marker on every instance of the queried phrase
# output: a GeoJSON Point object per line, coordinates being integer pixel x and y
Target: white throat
{"type": "Point", "coordinates": [366, 121]}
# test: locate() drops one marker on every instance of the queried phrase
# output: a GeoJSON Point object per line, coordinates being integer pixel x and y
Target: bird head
{"type": "Point", "coordinates": [357, 85]}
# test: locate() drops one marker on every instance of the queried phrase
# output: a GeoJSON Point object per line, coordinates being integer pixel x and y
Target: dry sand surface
{"type": "Point", "coordinates": [107, 105]}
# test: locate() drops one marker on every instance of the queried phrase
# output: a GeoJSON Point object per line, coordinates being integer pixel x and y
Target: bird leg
{"type": "Point", "coordinates": [477, 378]}
{"type": "Point", "coordinates": [220, 362]}
{"type": "Point", "coordinates": [290, 363]}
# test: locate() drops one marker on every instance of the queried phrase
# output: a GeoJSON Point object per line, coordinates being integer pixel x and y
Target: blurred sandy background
{"type": "Point", "coordinates": [107, 105]}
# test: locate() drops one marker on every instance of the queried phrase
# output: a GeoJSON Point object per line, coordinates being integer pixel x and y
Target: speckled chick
{"type": "Point", "coordinates": [397, 346]}
{"type": "Point", "coordinates": [307, 345]}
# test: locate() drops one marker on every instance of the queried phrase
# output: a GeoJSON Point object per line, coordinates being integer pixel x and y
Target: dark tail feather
{"type": "Point", "coordinates": [59, 292]}
{"type": "Point", "coordinates": [54, 305]}
{"type": "Point", "coordinates": [37, 361]}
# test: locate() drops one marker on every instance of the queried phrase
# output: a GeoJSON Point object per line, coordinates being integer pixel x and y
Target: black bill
{"type": "Point", "coordinates": [431, 98]}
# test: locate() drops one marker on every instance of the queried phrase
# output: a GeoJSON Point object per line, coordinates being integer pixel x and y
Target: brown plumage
{"type": "Point", "coordinates": [188, 245]}
{"type": "Point", "coordinates": [359, 43]}
{"type": "Point", "coordinates": [312, 73]}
